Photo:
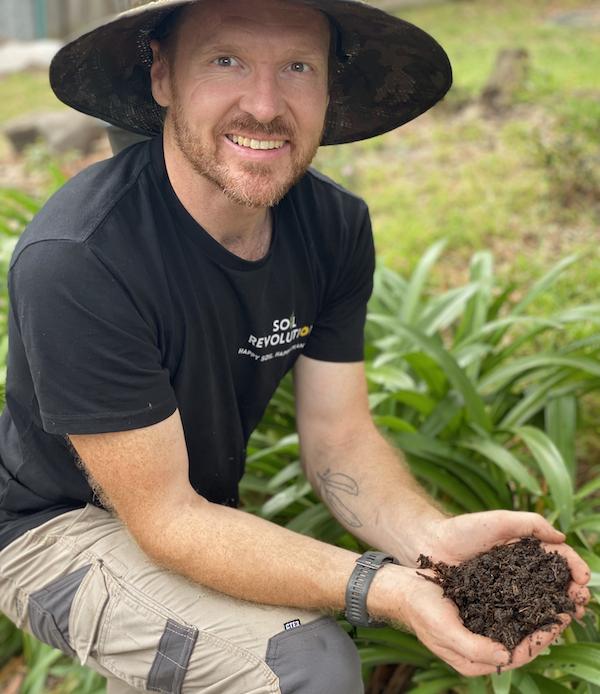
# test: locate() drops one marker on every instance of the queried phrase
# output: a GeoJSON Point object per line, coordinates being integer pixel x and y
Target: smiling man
{"type": "Point", "coordinates": [157, 301]}
{"type": "Point", "coordinates": [246, 128]}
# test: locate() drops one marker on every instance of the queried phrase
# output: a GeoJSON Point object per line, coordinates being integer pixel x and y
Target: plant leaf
{"type": "Point", "coordinates": [561, 425]}
{"type": "Point", "coordinates": [505, 460]}
{"type": "Point", "coordinates": [577, 660]}
{"type": "Point", "coordinates": [554, 469]}
{"type": "Point", "coordinates": [501, 682]}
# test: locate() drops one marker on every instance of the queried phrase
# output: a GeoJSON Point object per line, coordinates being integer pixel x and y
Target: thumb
{"type": "Point", "coordinates": [546, 532]}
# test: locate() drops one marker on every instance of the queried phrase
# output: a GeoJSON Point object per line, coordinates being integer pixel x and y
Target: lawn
{"type": "Point", "coordinates": [524, 184]}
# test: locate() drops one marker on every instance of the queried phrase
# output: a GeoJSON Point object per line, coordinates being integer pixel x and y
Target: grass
{"type": "Point", "coordinates": [473, 32]}
{"type": "Point", "coordinates": [23, 92]}
{"type": "Point", "coordinates": [499, 184]}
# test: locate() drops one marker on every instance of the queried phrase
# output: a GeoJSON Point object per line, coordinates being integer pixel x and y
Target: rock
{"type": "Point", "coordinates": [16, 56]}
{"type": "Point", "coordinates": [61, 129]}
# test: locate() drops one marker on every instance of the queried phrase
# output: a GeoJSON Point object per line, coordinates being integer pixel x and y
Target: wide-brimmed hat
{"type": "Point", "coordinates": [386, 71]}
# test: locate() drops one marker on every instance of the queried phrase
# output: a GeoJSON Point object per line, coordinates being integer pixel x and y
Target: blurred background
{"type": "Point", "coordinates": [483, 339]}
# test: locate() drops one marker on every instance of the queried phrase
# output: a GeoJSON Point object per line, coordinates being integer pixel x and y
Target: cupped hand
{"type": "Point", "coordinates": [457, 539]}
{"type": "Point", "coordinates": [436, 622]}
{"type": "Point", "coordinates": [580, 574]}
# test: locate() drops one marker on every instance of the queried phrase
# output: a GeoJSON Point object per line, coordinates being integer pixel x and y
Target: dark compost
{"type": "Point", "coordinates": [509, 592]}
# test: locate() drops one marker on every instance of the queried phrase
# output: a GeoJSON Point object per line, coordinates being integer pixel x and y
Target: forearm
{"type": "Point", "coordinates": [371, 491]}
{"type": "Point", "coordinates": [145, 475]}
{"type": "Point", "coordinates": [244, 556]}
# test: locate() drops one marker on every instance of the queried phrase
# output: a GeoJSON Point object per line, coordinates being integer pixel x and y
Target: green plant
{"type": "Point", "coordinates": [486, 418]}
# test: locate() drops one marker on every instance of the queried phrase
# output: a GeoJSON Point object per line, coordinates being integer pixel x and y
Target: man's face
{"type": "Point", "coordinates": [247, 94]}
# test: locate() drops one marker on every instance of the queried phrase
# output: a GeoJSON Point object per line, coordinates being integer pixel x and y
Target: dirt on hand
{"type": "Point", "coordinates": [509, 592]}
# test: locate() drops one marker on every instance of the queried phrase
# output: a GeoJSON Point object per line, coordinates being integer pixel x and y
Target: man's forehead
{"type": "Point", "coordinates": [277, 15]}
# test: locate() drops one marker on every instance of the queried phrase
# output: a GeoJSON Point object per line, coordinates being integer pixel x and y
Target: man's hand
{"type": "Point", "coordinates": [420, 605]}
{"type": "Point", "coordinates": [454, 540]}
{"type": "Point", "coordinates": [435, 619]}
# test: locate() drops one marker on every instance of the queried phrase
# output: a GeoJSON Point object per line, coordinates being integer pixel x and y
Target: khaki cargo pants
{"type": "Point", "coordinates": [81, 584]}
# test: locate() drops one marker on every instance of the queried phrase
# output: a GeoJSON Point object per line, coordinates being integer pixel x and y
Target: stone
{"type": "Point", "coordinates": [61, 129]}
{"type": "Point", "coordinates": [16, 56]}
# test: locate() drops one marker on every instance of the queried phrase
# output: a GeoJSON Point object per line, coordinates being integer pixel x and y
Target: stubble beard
{"type": "Point", "coordinates": [255, 186]}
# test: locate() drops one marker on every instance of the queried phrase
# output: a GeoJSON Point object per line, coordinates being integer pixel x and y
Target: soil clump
{"type": "Point", "coordinates": [509, 592]}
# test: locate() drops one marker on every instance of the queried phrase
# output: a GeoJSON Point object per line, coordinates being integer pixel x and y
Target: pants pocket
{"type": "Point", "coordinates": [139, 640]}
{"type": "Point", "coordinates": [89, 605]}
{"type": "Point", "coordinates": [50, 610]}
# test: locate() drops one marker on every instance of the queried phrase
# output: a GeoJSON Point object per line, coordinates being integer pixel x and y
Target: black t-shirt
{"type": "Point", "coordinates": [123, 309]}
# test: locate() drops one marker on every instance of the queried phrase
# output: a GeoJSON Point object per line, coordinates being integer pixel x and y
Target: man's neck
{"type": "Point", "coordinates": [244, 231]}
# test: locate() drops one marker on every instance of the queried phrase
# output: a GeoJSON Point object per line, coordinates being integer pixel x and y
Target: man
{"type": "Point", "coordinates": [144, 301]}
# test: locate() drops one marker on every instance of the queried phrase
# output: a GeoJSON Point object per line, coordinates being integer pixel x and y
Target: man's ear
{"type": "Point", "coordinates": [160, 76]}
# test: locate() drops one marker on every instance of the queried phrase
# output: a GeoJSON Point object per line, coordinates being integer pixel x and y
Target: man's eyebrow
{"type": "Point", "coordinates": [292, 53]}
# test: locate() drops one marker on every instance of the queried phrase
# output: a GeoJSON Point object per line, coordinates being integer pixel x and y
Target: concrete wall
{"type": "Point", "coordinates": [17, 19]}
{"type": "Point", "coordinates": [29, 19]}
{"type": "Point", "coordinates": [66, 18]}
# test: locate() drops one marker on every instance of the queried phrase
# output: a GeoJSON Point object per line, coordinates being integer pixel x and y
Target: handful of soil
{"type": "Point", "coordinates": [509, 592]}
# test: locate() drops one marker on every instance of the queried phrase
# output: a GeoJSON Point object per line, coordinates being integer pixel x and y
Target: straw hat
{"type": "Point", "coordinates": [386, 71]}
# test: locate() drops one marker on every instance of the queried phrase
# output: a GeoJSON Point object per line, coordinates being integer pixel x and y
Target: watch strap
{"type": "Point", "coordinates": [358, 587]}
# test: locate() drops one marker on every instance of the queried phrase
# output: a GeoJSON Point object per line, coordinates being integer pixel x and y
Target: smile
{"type": "Point", "coordinates": [256, 144]}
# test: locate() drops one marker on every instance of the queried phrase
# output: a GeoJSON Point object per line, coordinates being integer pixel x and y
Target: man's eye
{"type": "Point", "coordinates": [299, 67]}
{"type": "Point", "coordinates": [226, 61]}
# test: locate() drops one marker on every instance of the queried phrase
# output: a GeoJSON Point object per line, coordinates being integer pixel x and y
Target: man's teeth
{"type": "Point", "coordinates": [256, 144]}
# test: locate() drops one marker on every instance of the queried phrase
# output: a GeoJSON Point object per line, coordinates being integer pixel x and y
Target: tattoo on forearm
{"type": "Point", "coordinates": [334, 485]}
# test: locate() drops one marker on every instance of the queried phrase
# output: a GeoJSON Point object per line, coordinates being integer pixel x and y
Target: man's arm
{"type": "Point", "coordinates": [144, 474]}
{"type": "Point", "coordinates": [373, 494]}
{"type": "Point", "coordinates": [357, 473]}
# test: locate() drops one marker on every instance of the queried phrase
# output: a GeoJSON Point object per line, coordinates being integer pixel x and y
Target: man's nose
{"type": "Point", "coordinates": [263, 97]}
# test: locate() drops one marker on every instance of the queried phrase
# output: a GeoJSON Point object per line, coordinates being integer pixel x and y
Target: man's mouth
{"type": "Point", "coordinates": [256, 144]}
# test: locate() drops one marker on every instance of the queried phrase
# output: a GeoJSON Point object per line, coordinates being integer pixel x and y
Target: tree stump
{"type": "Point", "coordinates": [508, 77]}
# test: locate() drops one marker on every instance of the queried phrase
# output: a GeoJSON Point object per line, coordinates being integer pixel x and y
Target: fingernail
{"type": "Point", "coordinates": [500, 658]}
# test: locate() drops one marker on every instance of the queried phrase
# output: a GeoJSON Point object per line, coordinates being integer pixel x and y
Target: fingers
{"type": "Point", "coordinates": [580, 571]}
{"type": "Point", "coordinates": [513, 525]}
{"type": "Point", "coordinates": [470, 654]}
{"type": "Point", "coordinates": [537, 642]}
{"type": "Point", "coordinates": [462, 537]}
{"type": "Point", "coordinates": [477, 660]}
{"type": "Point", "coordinates": [580, 596]}
{"type": "Point", "coordinates": [545, 532]}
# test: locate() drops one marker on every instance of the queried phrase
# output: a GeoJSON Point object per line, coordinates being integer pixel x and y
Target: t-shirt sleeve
{"type": "Point", "coordinates": [338, 333]}
{"type": "Point", "coordinates": [94, 357]}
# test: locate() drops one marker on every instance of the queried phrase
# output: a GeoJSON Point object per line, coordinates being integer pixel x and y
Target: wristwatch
{"type": "Point", "coordinates": [358, 587]}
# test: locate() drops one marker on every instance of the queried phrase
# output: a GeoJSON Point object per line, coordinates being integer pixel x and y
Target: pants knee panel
{"type": "Point", "coordinates": [316, 658]}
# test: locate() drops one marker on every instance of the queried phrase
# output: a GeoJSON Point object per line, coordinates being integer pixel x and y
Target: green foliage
{"type": "Point", "coordinates": [486, 418]}
{"type": "Point", "coordinates": [11, 640]}
{"type": "Point", "coordinates": [46, 664]}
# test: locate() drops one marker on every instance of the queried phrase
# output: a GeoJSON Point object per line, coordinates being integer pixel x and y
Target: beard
{"type": "Point", "coordinates": [254, 184]}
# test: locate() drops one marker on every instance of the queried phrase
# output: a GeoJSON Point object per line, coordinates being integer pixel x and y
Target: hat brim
{"type": "Point", "coordinates": [386, 72]}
